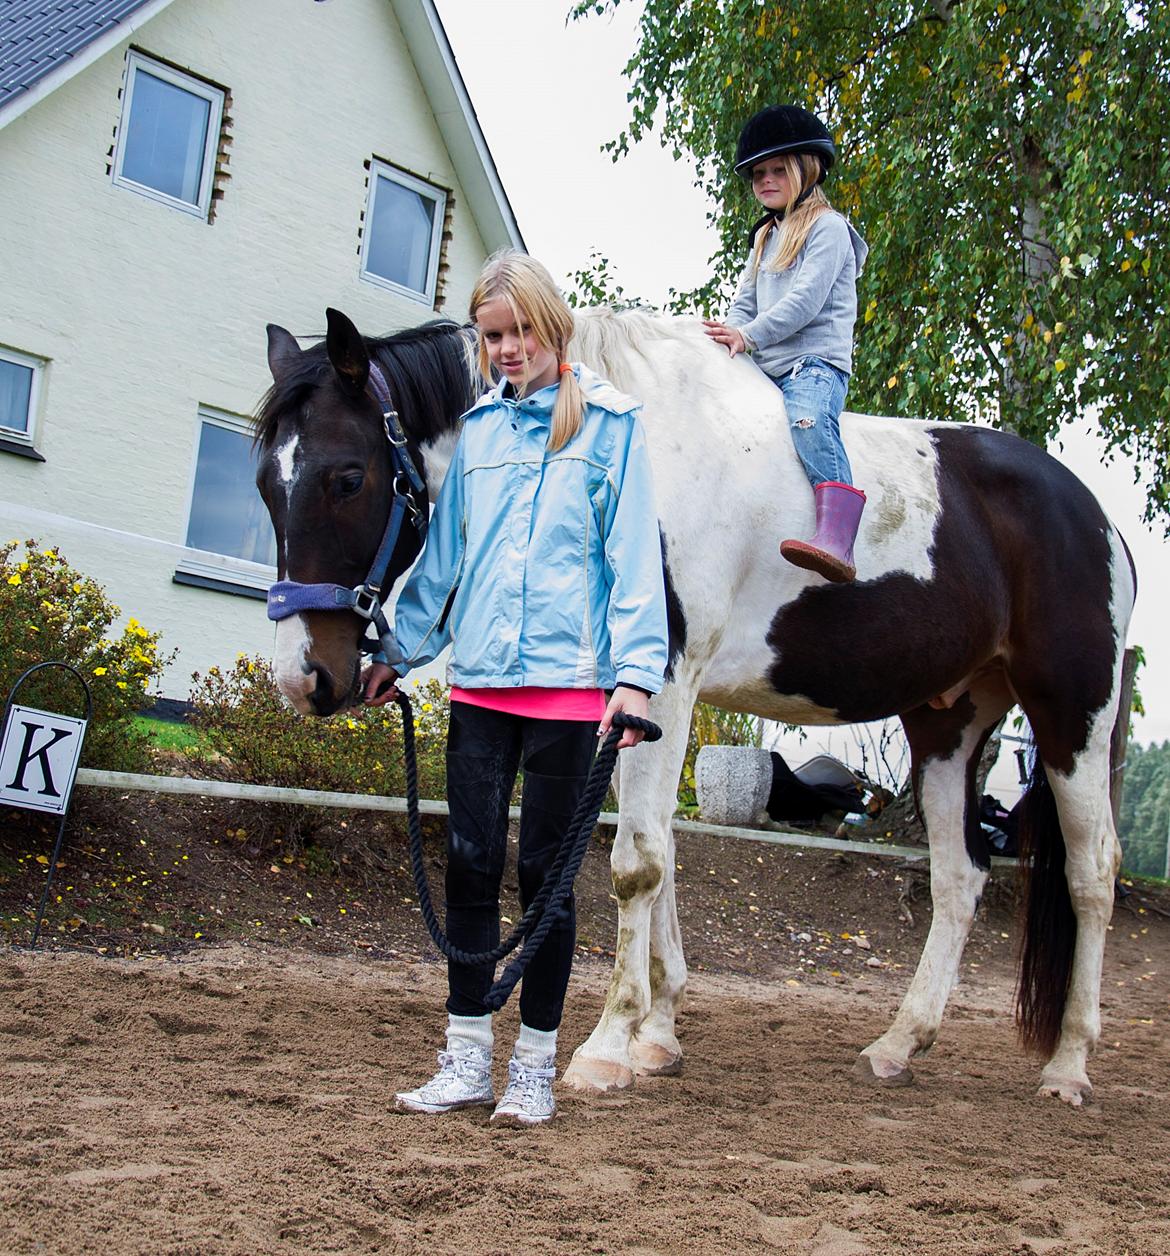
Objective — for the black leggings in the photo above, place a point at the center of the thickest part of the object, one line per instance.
(484, 750)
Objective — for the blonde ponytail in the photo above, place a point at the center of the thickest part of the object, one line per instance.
(568, 411)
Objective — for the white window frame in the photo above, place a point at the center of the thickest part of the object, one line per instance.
(37, 365)
(135, 61)
(383, 170)
(207, 563)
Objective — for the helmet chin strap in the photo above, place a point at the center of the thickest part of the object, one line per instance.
(777, 215)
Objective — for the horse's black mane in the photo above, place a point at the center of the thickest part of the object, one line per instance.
(426, 369)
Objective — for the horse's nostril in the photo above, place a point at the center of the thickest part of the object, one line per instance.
(321, 699)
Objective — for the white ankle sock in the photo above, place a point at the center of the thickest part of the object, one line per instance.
(473, 1030)
(535, 1047)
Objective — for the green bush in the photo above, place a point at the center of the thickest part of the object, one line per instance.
(247, 732)
(49, 611)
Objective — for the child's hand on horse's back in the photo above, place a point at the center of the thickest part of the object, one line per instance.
(730, 337)
(629, 702)
(378, 685)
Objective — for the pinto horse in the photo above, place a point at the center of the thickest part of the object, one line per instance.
(988, 576)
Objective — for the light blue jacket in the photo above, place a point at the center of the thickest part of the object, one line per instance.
(807, 310)
(542, 569)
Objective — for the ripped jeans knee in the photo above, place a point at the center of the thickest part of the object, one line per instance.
(814, 396)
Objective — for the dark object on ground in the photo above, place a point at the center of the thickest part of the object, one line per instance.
(1000, 825)
(170, 710)
(822, 784)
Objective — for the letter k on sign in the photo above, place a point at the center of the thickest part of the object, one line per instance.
(38, 759)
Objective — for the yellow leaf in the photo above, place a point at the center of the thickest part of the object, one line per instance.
(892, 382)
(1059, 365)
(1086, 56)
(728, 83)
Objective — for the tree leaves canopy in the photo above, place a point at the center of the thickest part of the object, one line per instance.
(1005, 161)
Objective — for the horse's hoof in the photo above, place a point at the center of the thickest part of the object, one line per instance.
(651, 1059)
(584, 1073)
(1076, 1092)
(880, 1072)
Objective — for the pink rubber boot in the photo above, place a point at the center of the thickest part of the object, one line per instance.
(830, 552)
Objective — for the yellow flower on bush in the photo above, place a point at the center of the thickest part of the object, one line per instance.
(100, 671)
(14, 578)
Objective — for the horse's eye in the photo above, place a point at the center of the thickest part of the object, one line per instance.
(348, 485)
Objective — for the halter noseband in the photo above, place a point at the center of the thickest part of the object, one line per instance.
(291, 597)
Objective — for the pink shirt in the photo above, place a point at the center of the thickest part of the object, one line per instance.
(537, 703)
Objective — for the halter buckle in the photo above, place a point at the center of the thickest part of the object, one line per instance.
(366, 602)
(391, 423)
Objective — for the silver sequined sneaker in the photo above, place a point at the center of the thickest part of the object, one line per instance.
(463, 1081)
(528, 1100)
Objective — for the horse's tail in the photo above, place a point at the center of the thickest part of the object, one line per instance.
(1049, 923)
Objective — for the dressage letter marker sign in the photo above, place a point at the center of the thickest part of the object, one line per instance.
(38, 759)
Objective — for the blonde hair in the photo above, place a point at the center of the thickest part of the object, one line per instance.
(804, 171)
(530, 293)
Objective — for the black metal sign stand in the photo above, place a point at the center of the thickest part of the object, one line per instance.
(8, 800)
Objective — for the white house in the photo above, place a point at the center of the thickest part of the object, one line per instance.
(175, 174)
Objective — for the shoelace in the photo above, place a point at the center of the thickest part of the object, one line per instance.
(526, 1079)
(465, 1067)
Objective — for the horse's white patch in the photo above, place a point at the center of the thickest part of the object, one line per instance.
(286, 461)
(289, 662)
(437, 458)
(729, 488)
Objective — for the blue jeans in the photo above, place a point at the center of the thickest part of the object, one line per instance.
(814, 396)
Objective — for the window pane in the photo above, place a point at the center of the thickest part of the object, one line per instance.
(401, 225)
(227, 514)
(165, 138)
(15, 390)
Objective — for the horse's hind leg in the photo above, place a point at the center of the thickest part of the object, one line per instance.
(1069, 686)
(1092, 857)
(945, 746)
(645, 988)
(1075, 856)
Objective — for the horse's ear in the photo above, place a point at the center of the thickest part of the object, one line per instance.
(283, 352)
(347, 352)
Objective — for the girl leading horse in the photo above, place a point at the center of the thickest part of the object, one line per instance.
(991, 577)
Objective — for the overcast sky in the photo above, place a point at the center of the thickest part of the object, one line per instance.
(549, 95)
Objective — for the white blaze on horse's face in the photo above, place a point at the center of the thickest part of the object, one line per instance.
(285, 458)
(294, 678)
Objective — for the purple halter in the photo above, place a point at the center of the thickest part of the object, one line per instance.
(291, 597)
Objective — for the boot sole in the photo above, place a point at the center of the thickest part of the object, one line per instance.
(402, 1104)
(823, 564)
(515, 1120)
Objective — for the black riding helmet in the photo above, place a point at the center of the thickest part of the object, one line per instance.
(783, 129)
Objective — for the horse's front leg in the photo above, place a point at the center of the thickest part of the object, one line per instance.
(655, 1050)
(649, 974)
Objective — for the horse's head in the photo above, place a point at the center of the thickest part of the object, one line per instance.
(328, 477)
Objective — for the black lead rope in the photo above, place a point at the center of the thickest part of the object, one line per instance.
(558, 882)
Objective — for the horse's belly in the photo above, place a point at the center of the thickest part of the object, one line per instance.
(757, 697)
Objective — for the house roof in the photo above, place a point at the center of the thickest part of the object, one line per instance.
(44, 43)
(38, 37)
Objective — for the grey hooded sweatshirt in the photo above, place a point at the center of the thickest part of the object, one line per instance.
(808, 309)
